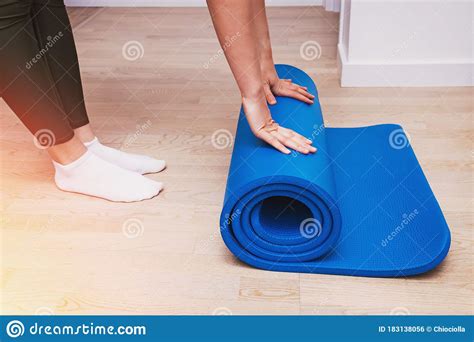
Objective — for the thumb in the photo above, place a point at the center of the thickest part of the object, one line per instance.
(268, 94)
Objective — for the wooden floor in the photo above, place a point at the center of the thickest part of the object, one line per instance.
(68, 254)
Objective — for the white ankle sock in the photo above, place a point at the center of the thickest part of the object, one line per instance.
(133, 162)
(93, 176)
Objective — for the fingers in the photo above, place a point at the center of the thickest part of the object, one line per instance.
(285, 138)
(304, 92)
(299, 90)
(299, 96)
(298, 138)
(305, 88)
(296, 86)
(268, 94)
(291, 142)
(303, 140)
(275, 142)
(286, 88)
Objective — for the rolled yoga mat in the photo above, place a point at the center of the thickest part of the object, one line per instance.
(359, 206)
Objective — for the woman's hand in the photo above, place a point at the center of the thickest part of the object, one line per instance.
(274, 86)
(283, 138)
(263, 126)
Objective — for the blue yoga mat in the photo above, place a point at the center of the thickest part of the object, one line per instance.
(359, 206)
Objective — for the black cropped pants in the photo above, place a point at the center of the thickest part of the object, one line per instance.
(39, 71)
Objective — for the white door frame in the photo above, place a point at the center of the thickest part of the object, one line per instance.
(332, 5)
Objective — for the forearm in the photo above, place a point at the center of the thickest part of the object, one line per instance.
(246, 20)
(234, 18)
(264, 45)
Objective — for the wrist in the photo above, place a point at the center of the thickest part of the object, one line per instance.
(253, 95)
(256, 111)
(269, 74)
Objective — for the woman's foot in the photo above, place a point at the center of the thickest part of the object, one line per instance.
(93, 176)
(133, 162)
(129, 161)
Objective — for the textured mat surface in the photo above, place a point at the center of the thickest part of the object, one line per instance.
(360, 206)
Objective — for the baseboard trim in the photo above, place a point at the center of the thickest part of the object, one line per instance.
(411, 74)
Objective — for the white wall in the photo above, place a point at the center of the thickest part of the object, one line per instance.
(176, 3)
(406, 43)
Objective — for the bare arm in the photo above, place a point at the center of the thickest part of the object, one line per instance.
(273, 85)
(236, 18)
